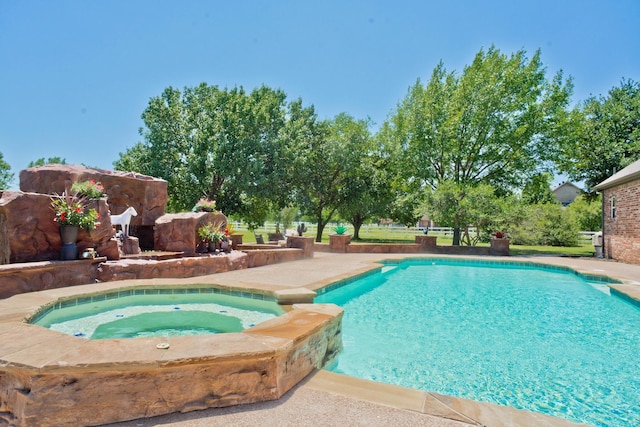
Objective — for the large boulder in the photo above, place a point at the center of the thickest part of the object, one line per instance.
(146, 194)
(28, 232)
(179, 232)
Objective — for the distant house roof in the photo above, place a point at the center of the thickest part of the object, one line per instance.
(568, 186)
(566, 192)
(630, 173)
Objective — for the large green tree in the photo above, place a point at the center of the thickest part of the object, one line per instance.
(5, 174)
(606, 135)
(368, 189)
(221, 144)
(537, 189)
(497, 123)
(326, 164)
(471, 205)
(371, 197)
(545, 224)
(406, 193)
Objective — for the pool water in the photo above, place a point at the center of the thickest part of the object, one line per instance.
(524, 337)
(161, 315)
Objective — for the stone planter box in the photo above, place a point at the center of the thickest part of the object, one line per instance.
(427, 243)
(499, 247)
(301, 242)
(339, 242)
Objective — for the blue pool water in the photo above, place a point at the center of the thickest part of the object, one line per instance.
(525, 337)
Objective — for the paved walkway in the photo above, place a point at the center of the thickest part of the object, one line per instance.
(327, 399)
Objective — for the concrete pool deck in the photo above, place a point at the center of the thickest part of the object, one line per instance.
(328, 399)
(325, 398)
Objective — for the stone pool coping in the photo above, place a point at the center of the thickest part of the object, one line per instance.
(52, 379)
(326, 268)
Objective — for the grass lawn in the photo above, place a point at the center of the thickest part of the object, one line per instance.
(405, 235)
(574, 251)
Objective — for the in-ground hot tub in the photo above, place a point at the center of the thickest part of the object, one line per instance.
(48, 378)
(153, 312)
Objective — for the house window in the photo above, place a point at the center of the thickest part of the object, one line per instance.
(613, 208)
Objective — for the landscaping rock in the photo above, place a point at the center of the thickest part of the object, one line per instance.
(146, 194)
(179, 232)
(28, 231)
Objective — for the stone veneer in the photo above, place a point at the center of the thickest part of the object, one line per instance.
(52, 379)
(37, 276)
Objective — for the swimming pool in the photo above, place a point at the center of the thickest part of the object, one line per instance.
(156, 313)
(518, 335)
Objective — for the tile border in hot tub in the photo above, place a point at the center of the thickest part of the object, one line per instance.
(142, 290)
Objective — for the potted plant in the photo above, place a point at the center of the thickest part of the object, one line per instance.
(204, 232)
(338, 242)
(340, 229)
(277, 236)
(301, 228)
(217, 238)
(213, 234)
(205, 205)
(71, 214)
(88, 189)
(499, 244)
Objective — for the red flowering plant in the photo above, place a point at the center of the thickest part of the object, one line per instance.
(69, 210)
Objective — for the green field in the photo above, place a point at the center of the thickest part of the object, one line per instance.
(405, 235)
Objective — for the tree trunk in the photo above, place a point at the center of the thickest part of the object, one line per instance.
(357, 223)
(356, 231)
(319, 232)
(456, 236)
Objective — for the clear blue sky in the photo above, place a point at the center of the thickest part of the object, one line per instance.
(76, 75)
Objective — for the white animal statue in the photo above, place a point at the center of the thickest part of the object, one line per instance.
(124, 219)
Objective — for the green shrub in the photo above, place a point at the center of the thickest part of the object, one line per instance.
(548, 225)
(587, 212)
(88, 189)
